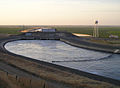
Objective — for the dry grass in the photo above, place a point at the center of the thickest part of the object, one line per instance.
(3, 84)
(4, 36)
(51, 73)
(10, 81)
(108, 42)
(99, 41)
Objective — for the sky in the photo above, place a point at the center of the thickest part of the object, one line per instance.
(59, 12)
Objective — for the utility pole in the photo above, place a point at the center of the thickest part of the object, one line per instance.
(96, 31)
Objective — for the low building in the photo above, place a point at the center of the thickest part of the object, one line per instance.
(45, 30)
(113, 36)
(28, 34)
(38, 30)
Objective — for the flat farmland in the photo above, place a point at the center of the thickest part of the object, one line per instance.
(11, 29)
(104, 31)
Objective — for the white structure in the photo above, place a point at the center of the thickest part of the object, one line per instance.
(45, 30)
(38, 30)
(95, 31)
(116, 51)
(113, 36)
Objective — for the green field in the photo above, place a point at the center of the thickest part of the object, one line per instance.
(104, 31)
(11, 29)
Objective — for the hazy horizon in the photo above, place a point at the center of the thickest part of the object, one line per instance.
(59, 12)
(55, 25)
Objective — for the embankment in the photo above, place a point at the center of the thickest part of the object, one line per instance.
(47, 71)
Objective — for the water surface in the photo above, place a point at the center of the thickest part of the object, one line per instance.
(58, 52)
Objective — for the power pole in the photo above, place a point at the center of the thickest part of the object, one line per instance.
(96, 31)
